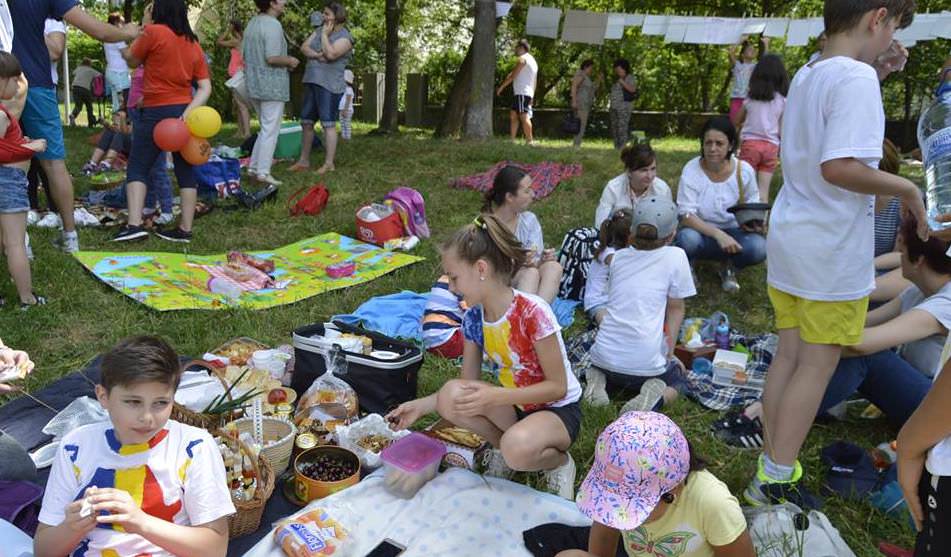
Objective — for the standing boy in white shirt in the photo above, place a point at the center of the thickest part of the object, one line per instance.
(523, 79)
(820, 245)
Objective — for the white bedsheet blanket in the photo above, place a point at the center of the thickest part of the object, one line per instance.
(457, 514)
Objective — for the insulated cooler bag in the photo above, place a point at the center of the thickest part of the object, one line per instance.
(381, 384)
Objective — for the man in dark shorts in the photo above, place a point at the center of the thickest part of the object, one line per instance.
(523, 79)
(40, 118)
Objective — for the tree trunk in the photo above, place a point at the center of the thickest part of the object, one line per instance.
(455, 110)
(389, 123)
(478, 120)
(127, 10)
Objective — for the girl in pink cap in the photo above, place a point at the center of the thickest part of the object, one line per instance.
(649, 491)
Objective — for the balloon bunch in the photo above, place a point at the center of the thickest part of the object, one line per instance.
(189, 137)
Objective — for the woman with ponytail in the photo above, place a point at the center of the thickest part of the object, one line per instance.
(532, 416)
(508, 201)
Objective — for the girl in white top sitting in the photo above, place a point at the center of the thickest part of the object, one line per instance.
(709, 185)
(615, 234)
(508, 201)
(638, 182)
(647, 285)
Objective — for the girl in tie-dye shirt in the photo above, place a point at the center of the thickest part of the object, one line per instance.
(532, 416)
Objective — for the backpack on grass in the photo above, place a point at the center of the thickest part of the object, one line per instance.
(575, 256)
(411, 207)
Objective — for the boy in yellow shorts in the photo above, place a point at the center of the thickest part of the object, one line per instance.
(821, 241)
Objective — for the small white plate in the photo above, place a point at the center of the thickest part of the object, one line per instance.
(43, 457)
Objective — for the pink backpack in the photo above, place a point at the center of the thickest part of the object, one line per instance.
(410, 205)
(98, 86)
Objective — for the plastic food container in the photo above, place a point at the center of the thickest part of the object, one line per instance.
(729, 370)
(410, 462)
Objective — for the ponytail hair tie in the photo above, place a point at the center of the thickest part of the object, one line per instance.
(479, 223)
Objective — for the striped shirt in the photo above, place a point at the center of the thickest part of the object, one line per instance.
(443, 314)
(887, 223)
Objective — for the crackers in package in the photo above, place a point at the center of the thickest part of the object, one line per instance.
(312, 534)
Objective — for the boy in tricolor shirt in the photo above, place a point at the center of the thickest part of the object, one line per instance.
(139, 484)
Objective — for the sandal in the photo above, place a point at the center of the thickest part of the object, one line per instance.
(737, 430)
(297, 167)
(40, 301)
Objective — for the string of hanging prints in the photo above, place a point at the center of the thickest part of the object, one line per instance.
(581, 26)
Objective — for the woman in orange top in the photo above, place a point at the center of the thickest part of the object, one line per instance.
(231, 39)
(173, 59)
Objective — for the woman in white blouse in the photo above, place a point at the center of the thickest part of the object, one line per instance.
(709, 185)
(508, 201)
(639, 181)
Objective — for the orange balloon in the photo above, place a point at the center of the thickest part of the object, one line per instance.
(197, 151)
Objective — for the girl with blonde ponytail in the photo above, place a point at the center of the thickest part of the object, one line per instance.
(532, 416)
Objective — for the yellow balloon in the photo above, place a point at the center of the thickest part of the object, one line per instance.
(203, 122)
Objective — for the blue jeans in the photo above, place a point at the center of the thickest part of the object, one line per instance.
(884, 378)
(702, 247)
(159, 186)
(320, 105)
(145, 152)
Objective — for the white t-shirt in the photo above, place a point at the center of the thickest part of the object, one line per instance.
(821, 237)
(114, 60)
(925, 354)
(529, 232)
(6, 27)
(939, 457)
(742, 71)
(617, 195)
(596, 285)
(525, 80)
(698, 195)
(53, 26)
(179, 475)
(343, 98)
(631, 337)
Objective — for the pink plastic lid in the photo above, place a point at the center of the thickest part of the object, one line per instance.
(413, 452)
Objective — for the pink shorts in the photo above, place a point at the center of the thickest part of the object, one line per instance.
(763, 156)
(736, 103)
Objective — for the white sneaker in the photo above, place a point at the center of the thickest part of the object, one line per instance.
(268, 179)
(50, 220)
(68, 242)
(652, 391)
(32, 217)
(29, 250)
(493, 464)
(561, 480)
(595, 390)
(84, 217)
(164, 218)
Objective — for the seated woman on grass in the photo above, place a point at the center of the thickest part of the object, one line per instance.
(639, 181)
(508, 201)
(916, 322)
(647, 491)
(709, 185)
(115, 140)
(533, 417)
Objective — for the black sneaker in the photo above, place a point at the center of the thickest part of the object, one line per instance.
(175, 235)
(128, 233)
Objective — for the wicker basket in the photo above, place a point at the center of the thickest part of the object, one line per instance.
(278, 453)
(247, 519)
(209, 422)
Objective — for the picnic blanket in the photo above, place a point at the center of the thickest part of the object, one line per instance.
(545, 176)
(701, 388)
(170, 281)
(457, 513)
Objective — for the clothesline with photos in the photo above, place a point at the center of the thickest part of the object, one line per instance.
(581, 26)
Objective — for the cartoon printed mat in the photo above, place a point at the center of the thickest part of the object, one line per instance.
(170, 281)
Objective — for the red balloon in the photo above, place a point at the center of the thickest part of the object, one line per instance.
(171, 134)
(197, 151)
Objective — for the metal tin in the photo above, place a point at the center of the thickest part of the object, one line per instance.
(305, 441)
(284, 410)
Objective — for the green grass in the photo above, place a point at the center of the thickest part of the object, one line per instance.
(85, 317)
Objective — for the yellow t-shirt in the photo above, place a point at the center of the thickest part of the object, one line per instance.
(705, 514)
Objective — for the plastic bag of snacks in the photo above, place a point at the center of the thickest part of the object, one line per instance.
(367, 438)
(313, 534)
(330, 401)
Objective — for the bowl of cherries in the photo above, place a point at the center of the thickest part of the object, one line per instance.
(324, 470)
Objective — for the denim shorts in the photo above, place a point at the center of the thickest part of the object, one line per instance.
(320, 105)
(13, 190)
(145, 151)
(40, 120)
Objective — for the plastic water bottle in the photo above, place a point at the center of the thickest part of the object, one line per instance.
(218, 285)
(934, 137)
